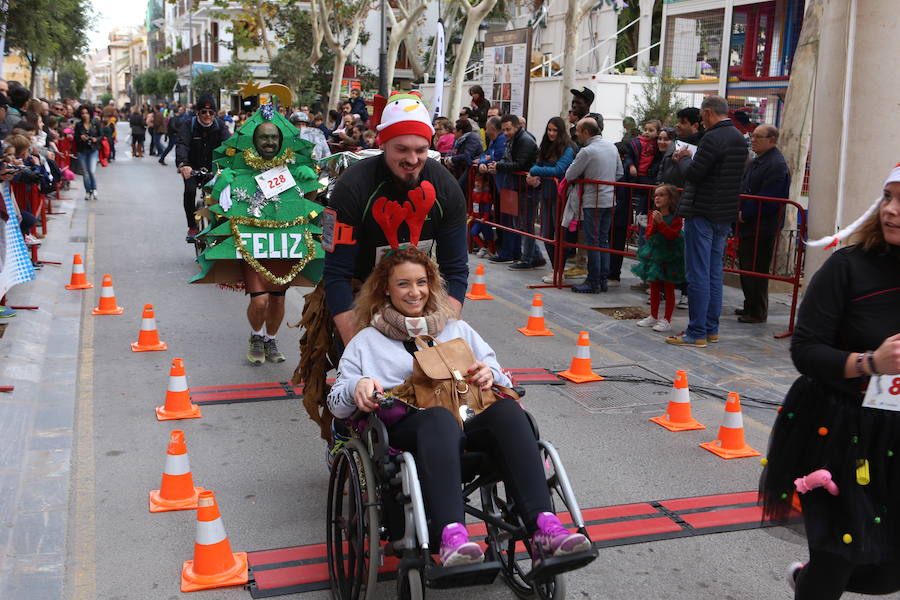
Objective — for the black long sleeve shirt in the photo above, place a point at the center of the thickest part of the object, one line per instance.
(358, 188)
(852, 305)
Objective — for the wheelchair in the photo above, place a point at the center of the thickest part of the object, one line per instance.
(376, 522)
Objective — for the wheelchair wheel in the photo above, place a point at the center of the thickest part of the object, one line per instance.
(516, 565)
(410, 585)
(352, 539)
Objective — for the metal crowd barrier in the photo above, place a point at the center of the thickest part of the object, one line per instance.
(537, 213)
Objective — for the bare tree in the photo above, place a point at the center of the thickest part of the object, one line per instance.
(578, 9)
(317, 32)
(345, 15)
(474, 15)
(409, 12)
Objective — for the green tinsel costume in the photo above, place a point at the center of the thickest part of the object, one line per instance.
(661, 258)
(281, 231)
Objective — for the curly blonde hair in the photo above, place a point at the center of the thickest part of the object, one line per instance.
(373, 294)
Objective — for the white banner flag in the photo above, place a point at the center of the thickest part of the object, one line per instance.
(439, 72)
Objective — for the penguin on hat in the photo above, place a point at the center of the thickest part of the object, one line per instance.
(401, 114)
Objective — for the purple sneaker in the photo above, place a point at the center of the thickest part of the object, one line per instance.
(555, 540)
(456, 549)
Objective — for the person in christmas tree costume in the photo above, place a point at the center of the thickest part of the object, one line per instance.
(261, 238)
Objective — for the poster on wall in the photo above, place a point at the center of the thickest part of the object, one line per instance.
(507, 70)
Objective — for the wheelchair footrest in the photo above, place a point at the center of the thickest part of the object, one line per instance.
(439, 577)
(550, 567)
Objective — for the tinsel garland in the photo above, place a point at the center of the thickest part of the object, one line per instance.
(255, 264)
(255, 161)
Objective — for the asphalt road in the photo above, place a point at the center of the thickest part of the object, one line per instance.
(265, 462)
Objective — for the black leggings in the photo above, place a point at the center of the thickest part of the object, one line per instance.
(502, 431)
(190, 201)
(827, 576)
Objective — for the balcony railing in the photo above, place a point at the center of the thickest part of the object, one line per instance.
(184, 58)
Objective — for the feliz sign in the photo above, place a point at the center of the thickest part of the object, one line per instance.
(272, 245)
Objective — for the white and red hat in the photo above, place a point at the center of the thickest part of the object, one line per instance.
(830, 241)
(402, 114)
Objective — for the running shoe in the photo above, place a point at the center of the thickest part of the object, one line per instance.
(6, 312)
(648, 321)
(662, 325)
(273, 354)
(686, 340)
(682, 302)
(30, 240)
(555, 540)
(456, 549)
(256, 350)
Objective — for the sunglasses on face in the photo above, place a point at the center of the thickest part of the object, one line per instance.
(207, 111)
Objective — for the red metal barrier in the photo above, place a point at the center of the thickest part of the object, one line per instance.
(630, 230)
(526, 209)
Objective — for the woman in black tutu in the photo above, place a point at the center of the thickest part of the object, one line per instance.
(841, 457)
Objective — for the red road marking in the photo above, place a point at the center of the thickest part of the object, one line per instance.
(707, 501)
(626, 522)
(718, 518)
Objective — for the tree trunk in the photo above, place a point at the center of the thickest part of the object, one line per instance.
(264, 32)
(570, 51)
(400, 31)
(340, 59)
(317, 33)
(412, 51)
(645, 26)
(393, 50)
(475, 16)
(33, 68)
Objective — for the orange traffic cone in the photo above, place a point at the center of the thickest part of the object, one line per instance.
(730, 442)
(536, 318)
(78, 280)
(479, 289)
(579, 370)
(678, 414)
(148, 337)
(177, 491)
(107, 303)
(214, 564)
(178, 399)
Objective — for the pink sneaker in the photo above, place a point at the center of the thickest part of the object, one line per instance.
(456, 549)
(555, 540)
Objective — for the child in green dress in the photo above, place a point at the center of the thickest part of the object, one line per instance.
(661, 258)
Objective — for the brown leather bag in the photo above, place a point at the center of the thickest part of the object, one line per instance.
(439, 378)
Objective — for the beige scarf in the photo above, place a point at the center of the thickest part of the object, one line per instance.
(397, 326)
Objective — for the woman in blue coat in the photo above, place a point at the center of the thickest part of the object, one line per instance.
(555, 154)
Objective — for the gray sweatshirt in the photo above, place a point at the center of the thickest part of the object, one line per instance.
(372, 354)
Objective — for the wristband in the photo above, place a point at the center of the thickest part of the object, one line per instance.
(874, 369)
(859, 364)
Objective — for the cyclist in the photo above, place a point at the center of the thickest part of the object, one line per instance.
(201, 133)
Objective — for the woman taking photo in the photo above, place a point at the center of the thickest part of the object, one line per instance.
(87, 145)
(836, 440)
(405, 293)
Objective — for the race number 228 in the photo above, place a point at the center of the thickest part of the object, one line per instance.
(276, 181)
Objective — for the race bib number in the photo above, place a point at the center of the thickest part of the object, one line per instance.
(274, 181)
(273, 245)
(883, 393)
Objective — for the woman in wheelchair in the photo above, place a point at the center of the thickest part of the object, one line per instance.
(404, 297)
